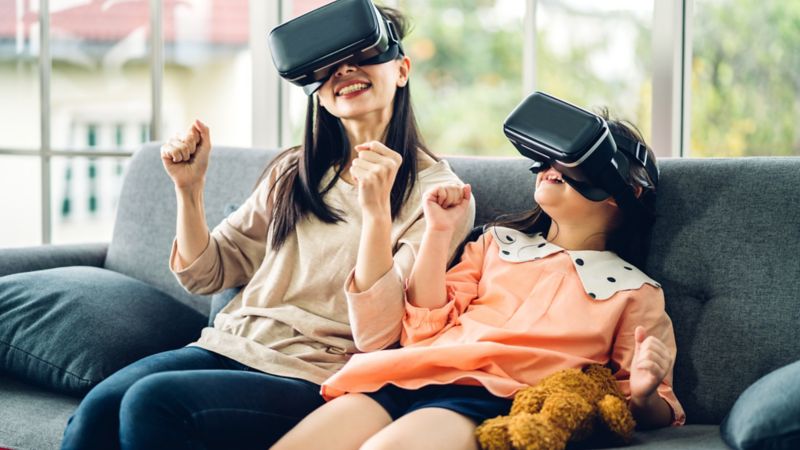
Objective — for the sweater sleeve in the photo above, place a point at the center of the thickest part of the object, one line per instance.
(236, 247)
(462, 283)
(376, 314)
(646, 308)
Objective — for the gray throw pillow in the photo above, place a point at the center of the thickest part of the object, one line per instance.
(71, 327)
(767, 414)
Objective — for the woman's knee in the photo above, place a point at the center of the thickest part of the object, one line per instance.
(148, 398)
(101, 402)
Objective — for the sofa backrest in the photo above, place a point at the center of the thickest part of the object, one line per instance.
(726, 249)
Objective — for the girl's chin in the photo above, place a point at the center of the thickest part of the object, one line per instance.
(546, 199)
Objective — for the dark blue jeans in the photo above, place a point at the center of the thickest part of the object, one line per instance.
(189, 398)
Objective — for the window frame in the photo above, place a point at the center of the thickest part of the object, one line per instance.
(671, 92)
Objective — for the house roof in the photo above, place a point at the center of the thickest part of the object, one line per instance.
(223, 22)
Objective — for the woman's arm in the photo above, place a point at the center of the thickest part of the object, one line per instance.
(229, 255)
(374, 170)
(186, 162)
(191, 230)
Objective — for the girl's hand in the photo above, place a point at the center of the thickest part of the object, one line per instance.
(651, 363)
(445, 206)
(374, 170)
(186, 158)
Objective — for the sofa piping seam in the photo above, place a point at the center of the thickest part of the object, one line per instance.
(14, 347)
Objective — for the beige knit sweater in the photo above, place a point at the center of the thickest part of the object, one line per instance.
(294, 317)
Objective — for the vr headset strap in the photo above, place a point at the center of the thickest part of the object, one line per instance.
(624, 195)
(638, 151)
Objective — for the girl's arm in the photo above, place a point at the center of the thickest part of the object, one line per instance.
(652, 362)
(445, 207)
(644, 350)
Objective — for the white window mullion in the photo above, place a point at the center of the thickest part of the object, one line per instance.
(671, 69)
(267, 99)
(156, 69)
(45, 68)
(529, 48)
(283, 107)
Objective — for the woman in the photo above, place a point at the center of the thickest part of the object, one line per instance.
(320, 209)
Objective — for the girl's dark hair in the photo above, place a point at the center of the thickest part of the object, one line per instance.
(630, 239)
(298, 190)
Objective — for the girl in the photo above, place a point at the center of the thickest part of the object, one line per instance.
(531, 296)
(321, 209)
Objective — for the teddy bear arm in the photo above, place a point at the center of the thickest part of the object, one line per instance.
(616, 415)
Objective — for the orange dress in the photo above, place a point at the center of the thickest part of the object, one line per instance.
(519, 308)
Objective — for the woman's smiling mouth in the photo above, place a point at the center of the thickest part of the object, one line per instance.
(352, 89)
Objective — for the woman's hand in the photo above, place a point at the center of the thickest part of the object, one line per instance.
(446, 206)
(651, 363)
(374, 170)
(186, 158)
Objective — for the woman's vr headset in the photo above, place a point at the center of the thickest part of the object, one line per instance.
(580, 145)
(307, 48)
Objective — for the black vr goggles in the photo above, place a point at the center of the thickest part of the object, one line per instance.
(592, 158)
(307, 48)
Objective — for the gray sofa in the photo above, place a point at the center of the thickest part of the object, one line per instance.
(726, 248)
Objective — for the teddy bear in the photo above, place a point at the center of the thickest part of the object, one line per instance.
(567, 406)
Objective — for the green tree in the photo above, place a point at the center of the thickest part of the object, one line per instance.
(468, 73)
(746, 78)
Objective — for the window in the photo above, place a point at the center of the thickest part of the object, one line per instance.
(745, 87)
(85, 190)
(467, 72)
(20, 200)
(66, 131)
(84, 193)
(208, 67)
(597, 54)
(19, 76)
(100, 67)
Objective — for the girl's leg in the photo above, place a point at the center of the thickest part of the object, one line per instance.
(213, 409)
(95, 424)
(343, 423)
(426, 428)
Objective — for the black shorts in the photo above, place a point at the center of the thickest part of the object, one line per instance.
(475, 402)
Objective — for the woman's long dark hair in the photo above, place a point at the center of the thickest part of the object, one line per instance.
(628, 240)
(297, 191)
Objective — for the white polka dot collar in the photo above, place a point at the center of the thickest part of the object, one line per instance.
(602, 273)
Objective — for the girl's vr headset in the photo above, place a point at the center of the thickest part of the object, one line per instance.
(580, 145)
(306, 48)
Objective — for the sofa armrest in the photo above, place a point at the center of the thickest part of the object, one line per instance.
(27, 259)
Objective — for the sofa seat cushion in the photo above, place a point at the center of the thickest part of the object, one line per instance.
(767, 414)
(69, 328)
